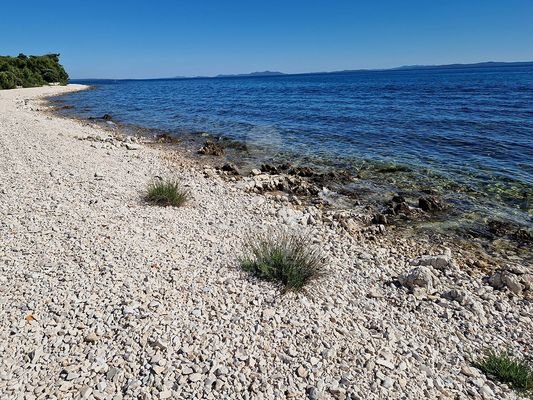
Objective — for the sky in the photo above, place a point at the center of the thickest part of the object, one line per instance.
(151, 39)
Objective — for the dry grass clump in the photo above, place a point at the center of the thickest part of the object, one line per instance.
(282, 257)
(166, 193)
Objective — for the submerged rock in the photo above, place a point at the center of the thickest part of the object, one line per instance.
(430, 204)
(211, 149)
(105, 117)
(229, 168)
(164, 138)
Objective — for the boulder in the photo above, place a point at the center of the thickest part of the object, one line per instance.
(380, 219)
(515, 282)
(512, 282)
(430, 204)
(440, 262)
(419, 277)
(211, 149)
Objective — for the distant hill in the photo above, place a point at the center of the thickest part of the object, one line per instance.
(264, 73)
(488, 64)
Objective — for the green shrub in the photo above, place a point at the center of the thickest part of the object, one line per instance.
(166, 193)
(282, 257)
(29, 71)
(507, 369)
(7, 80)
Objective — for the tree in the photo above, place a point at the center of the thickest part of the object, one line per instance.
(29, 71)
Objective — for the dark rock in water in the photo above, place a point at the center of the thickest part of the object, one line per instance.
(211, 149)
(398, 205)
(522, 235)
(402, 208)
(164, 138)
(230, 168)
(285, 166)
(276, 170)
(398, 199)
(430, 203)
(105, 117)
(269, 169)
(500, 228)
(512, 230)
(380, 219)
(306, 172)
(393, 168)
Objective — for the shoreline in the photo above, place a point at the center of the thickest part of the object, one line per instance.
(103, 294)
(495, 240)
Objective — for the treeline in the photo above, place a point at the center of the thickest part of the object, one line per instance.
(30, 71)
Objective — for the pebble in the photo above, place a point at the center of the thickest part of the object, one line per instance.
(301, 372)
(195, 377)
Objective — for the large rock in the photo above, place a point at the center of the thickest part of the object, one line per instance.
(430, 204)
(419, 277)
(211, 149)
(514, 281)
(229, 169)
(441, 261)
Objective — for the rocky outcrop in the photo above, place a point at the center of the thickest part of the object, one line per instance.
(516, 280)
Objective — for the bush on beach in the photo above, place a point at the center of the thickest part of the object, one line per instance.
(282, 257)
(166, 193)
(507, 369)
(30, 71)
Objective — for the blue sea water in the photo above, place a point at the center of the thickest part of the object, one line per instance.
(472, 127)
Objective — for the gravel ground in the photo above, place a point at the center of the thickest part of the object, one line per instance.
(105, 297)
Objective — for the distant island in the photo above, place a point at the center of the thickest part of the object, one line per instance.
(488, 64)
(480, 65)
(31, 71)
(264, 73)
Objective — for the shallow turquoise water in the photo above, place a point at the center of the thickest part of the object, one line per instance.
(467, 132)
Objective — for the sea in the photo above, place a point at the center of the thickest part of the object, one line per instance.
(464, 133)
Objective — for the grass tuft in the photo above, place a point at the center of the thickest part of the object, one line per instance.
(507, 369)
(282, 257)
(166, 193)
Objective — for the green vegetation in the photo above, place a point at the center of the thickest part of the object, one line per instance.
(282, 257)
(30, 71)
(166, 193)
(507, 369)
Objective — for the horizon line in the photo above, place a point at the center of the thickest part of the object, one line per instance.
(272, 73)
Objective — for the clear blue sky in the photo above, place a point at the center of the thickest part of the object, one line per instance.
(137, 39)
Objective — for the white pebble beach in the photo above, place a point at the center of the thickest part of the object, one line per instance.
(104, 296)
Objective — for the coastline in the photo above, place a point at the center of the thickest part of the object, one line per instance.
(86, 258)
(488, 232)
